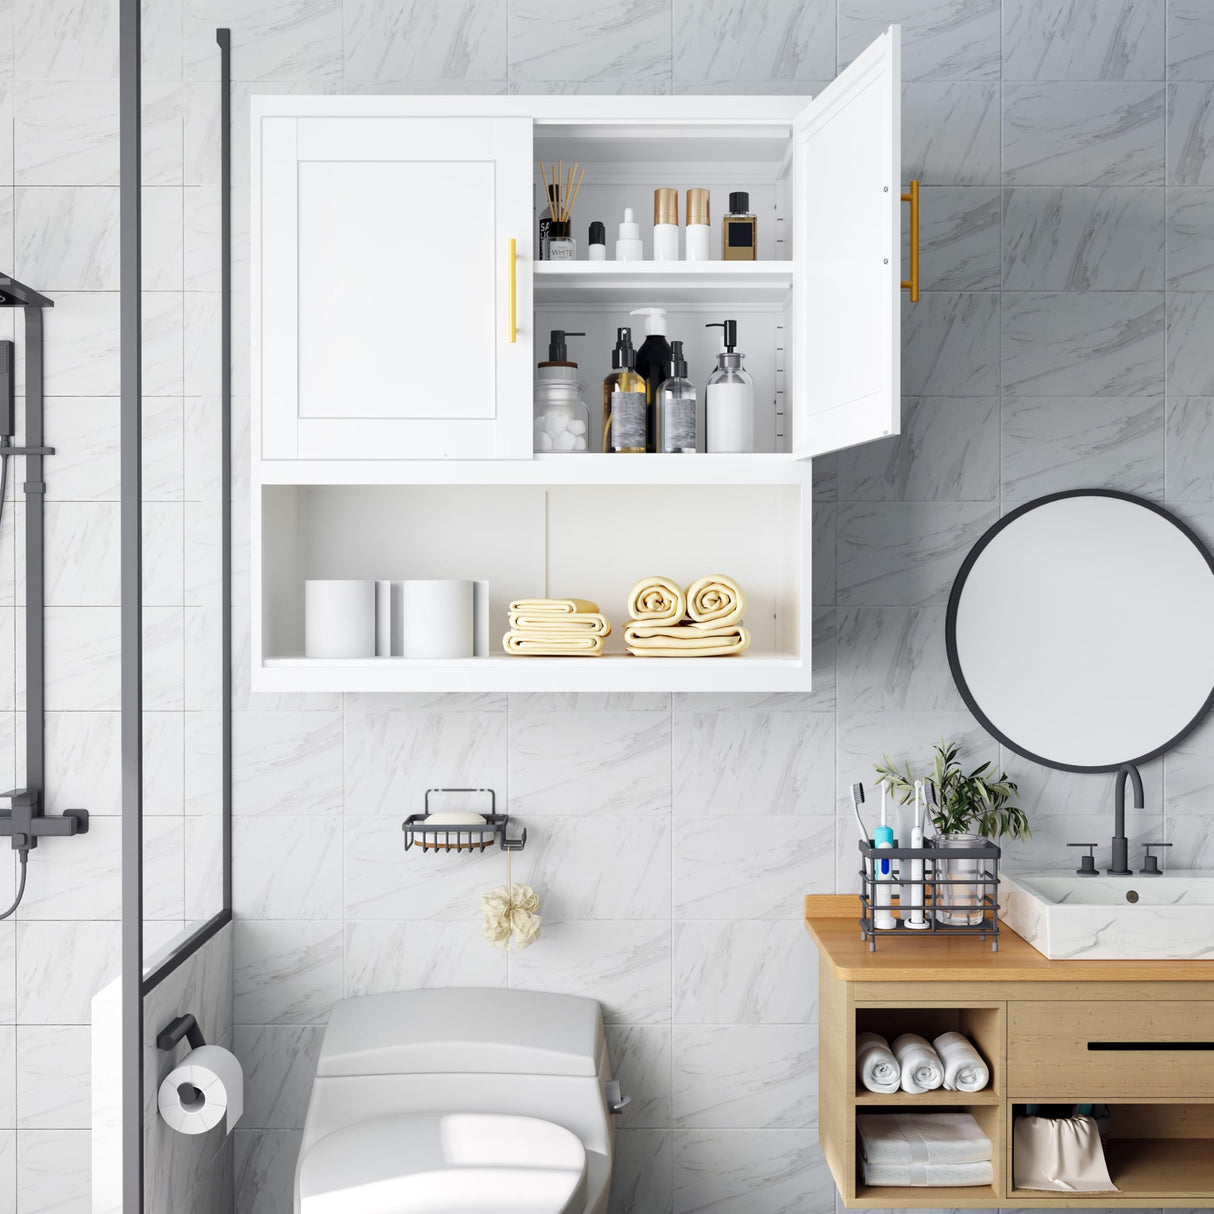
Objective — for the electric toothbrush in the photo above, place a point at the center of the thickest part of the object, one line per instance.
(916, 918)
(883, 838)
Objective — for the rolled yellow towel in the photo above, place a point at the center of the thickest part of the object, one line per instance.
(554, 607)
(716, 602)
(560, 625)
(644, 640)
(657, 600)
(552, 645)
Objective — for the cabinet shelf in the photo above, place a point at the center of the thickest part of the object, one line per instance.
(611, 672)
(737, 283)
(905, 1100)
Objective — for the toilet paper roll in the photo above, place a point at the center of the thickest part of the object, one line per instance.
(437, 618)
(480, 619)
(206, 1089)
(339, 619)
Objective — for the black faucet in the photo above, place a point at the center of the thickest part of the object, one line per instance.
(1121, 846)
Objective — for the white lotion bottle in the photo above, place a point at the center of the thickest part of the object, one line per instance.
(628, 245)
(665, 225)
(698, 236)
(729, 400)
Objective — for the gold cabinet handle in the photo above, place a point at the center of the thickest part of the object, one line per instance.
(912, 284)
(513, 293)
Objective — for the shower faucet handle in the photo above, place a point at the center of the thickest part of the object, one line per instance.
(1150, 864)
(1087, 864)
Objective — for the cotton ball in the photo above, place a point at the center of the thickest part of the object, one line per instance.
(538, 425)
(543, 443)
(564, 442)
(577, 426)
(556, 421)
(579, 444)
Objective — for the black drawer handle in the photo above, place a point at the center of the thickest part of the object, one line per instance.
(1151, 1045)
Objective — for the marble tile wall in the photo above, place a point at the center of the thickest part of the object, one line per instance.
(1061, 340)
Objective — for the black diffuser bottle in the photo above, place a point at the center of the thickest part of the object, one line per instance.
(653, 365)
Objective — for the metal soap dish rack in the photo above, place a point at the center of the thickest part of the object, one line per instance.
(451, 836)
(954, 903)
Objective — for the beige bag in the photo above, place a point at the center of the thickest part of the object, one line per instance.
(1063, 1154)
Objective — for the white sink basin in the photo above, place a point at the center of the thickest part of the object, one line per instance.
(1069, 917)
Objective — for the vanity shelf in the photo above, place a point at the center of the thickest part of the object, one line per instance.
(1028, 1016)
(698, 283)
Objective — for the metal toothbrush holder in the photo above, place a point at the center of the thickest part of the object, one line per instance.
(957, 893)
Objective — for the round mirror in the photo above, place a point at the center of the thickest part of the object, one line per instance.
(1080, 630)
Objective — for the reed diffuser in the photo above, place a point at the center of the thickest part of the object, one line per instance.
(557, 243)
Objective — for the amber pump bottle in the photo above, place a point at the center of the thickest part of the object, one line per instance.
(625, 400)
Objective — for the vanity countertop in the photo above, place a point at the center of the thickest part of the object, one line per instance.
(833, 922)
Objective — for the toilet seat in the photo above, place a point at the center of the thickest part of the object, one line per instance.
(445, 1163)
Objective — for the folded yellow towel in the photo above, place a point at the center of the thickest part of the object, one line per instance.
(551, 624)
(554, 606)
(657, 600)
(552, 645)
(645, 640)
(716, 602)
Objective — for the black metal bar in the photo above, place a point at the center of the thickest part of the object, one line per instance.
(131, 524)
(183, 1026)
(224, 38)
(186, 949)
(35, 558)
(17, 293)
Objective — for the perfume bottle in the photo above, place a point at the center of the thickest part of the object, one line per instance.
(665, 225)
(561, 245)
(739, 233)
(697, 225)
(676, 407)
(625, 400)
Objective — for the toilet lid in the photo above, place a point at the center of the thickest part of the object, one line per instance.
(445, 1163)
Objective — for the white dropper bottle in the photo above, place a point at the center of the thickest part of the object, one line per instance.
(628, 245)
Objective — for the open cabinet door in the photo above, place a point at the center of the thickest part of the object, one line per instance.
(846, 190)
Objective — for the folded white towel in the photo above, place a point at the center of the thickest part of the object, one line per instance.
(943, 1175)
(964, 1070)
(906, 1138)
(922, 1070)
(876, 1066)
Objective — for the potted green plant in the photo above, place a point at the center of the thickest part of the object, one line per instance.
(968, 807)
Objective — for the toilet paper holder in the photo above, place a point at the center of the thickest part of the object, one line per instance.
(183, 1026)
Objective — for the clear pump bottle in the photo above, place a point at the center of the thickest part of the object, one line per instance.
(729, 399)
(625, 400)
(676, 407)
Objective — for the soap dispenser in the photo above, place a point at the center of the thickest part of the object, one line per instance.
(653, 362)
(729, 399)
(562, 419)
(625, 400)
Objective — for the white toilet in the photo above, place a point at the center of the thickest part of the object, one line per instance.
(460, 1101)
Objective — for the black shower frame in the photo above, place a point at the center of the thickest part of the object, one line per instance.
(135, 984)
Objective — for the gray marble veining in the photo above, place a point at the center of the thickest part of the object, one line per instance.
(641, 1061)
(1052, 443)
(279, 1063)
(1189, 449)
(642, 1176)
(1073, 133)
(1190, 239)
(1190, 330)
(941, 39)
(1083, 39)
(728, 1171)
(948, 450)
(950, 132)
(423, 40)
(950, 344)
(1094, 343)
(1081, 238)
(1190, 47)
(718, 40)
(1190, 138)
(958, 238)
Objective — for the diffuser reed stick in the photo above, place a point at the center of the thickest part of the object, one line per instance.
(564, 185)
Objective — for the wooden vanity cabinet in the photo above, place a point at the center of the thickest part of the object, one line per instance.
(1135, 1035)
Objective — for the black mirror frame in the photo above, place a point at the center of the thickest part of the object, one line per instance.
(954, 600)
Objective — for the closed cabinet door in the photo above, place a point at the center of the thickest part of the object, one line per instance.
(846, 250)
(394, 260)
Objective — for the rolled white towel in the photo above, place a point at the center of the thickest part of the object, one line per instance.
(937, 1138)
(922, 1070)
(942, 1175)
(876, 1066)
(964, 1070)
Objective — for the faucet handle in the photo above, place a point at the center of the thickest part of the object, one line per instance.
(1087, 864)
(1150, 864)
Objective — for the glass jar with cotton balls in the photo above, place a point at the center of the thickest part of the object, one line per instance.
(561, 416)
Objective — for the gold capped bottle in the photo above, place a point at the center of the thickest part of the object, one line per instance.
(625, 400)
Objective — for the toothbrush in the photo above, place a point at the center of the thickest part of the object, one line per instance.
(857, 799)
(916, 918)
(883, 838)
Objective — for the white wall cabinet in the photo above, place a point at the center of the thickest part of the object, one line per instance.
(399, 311)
